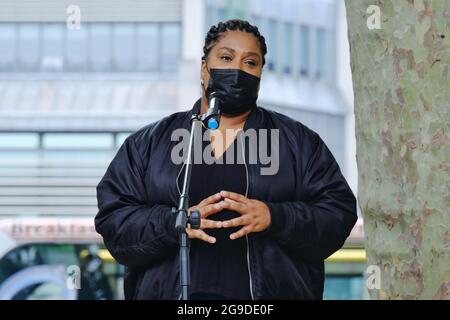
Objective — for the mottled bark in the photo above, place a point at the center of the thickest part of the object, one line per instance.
(402, 97)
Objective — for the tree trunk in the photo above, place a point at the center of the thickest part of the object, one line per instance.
(401, 81)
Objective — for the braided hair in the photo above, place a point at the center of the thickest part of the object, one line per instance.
(216, 32)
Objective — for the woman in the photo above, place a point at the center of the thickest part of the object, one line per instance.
(262, 236)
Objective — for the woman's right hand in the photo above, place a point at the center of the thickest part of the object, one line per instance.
(207, 207)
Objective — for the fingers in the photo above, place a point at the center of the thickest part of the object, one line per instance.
(210, 209)
(211, 205)
(232, 205)
(200, 234)
(240, 221)
(210, 224)
(241, 233)
(211, 199)
(233, 196)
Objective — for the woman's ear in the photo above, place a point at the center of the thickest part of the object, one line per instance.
(203, 71)
(204, 74)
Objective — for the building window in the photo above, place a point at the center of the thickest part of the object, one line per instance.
(123, 47)
(28, 47)
(288, 48)
(77, 49)
(100, 47)
(170, 47)
(147, 52)
(272, 45)
(7, 52)
(304, 51)
(52, 40)
(9, 140)
(77, 140)
(320, 53)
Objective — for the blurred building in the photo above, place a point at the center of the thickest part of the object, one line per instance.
(69, 97)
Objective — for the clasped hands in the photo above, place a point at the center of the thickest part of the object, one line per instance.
(255, 215)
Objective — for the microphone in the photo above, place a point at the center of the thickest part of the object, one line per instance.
(212, 117)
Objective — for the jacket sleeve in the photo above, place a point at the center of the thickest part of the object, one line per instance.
(317, 225)
(135, 233)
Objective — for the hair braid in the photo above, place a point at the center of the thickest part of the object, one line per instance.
(216, 31)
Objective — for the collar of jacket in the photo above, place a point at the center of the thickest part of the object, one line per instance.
(253, 121)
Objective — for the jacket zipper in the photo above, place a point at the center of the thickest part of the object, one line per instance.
(246, 236)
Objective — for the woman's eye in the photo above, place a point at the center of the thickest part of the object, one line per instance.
(251, 63)
(226, 58)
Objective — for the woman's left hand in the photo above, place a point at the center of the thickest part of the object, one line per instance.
(255, 214)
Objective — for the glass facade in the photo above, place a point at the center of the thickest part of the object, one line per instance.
(95, 47)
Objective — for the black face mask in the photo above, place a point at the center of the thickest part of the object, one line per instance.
(238, 90)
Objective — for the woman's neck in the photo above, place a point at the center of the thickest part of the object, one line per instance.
(227, 122)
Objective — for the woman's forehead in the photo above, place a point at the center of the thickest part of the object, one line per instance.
(238, 41)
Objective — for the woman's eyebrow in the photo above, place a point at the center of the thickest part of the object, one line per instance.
(252, 53)
(228, 49)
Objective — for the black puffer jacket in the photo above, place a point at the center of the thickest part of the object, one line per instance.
(312, 208)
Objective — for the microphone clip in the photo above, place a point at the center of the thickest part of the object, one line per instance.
(212, 117)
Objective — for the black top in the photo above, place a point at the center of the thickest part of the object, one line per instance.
(220, 268)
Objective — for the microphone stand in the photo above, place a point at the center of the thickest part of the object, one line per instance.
(183, 218)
